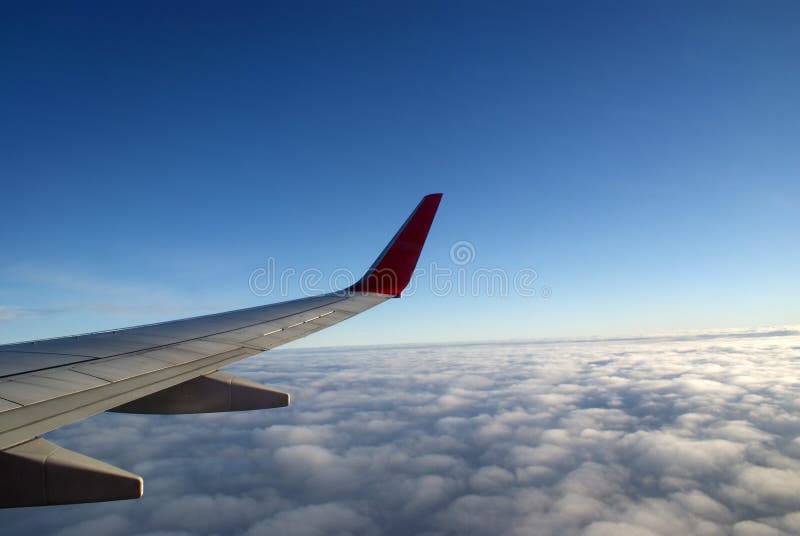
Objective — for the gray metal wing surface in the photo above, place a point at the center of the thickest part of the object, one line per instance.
(169, 367)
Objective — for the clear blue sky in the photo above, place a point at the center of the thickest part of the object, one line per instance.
(642, 157)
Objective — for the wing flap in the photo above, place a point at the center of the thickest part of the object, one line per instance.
(115, 369)
(25, 393)
(12, 363)
(6, 405)
(33, 388)
(61, 378)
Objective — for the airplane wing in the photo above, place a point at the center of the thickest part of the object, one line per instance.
(168, 368)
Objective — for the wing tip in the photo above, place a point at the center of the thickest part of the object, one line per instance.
(392, 270)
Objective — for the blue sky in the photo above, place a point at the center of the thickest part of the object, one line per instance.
(641, 158)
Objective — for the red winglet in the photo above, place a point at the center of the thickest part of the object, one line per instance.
(393, 269)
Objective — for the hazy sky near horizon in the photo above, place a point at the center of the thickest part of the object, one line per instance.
(641, 158)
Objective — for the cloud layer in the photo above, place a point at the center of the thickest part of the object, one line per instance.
(676, 435)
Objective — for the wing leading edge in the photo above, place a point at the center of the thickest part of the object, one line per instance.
(169, 367)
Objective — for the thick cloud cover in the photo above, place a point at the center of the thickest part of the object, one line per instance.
(672, 435)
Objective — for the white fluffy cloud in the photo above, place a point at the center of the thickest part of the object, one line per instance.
(672, 435)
